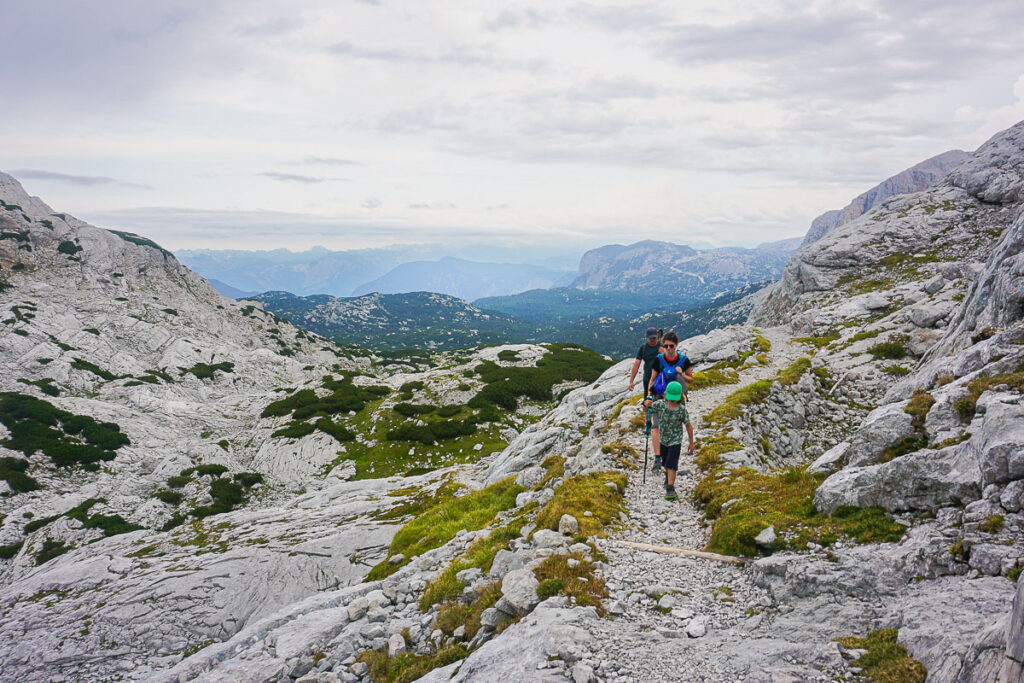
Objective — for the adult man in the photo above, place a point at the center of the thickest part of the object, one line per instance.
(648, 353)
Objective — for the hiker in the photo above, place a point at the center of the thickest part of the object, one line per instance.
(670, 366)
(668, 415)
(648, 353)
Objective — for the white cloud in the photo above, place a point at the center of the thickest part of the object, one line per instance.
(734, 123)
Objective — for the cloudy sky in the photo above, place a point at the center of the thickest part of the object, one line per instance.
(262, 123)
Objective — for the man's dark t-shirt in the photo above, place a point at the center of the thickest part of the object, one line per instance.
(648, 354)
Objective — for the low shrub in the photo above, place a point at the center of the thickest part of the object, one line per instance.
(889, 350)
(10, 550)
(248, 479)
(992, 524)
(168, 496)
(68, 247)
(407, 666)
(207, 371)
(12, 470)
(50, 550)
(178, 481)
(211, 469)
(896, 370)
(413, 409)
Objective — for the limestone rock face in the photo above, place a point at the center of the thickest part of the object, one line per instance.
(914, 179)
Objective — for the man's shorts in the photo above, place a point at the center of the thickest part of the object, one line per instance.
(670, 456)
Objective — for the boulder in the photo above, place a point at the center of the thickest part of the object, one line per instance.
(545, 538)
(882, 427)
(396, 645)
(925, 480)
(927, 314)
(831, 460)
(519, 592)
(697, 627)
(1013, 663)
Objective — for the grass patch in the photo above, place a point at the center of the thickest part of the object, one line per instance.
(752, 394)
(886, 661)
(586, 492)
(451, 615)
(578, 583)
(966, 406)
(712, 448)
(784, 500)
(917, 407)
(408, 667)
(894, 349)
(713, 377)
(439, 524)
(819, 341)
(992, 525)
(479, 554)
(896, 370)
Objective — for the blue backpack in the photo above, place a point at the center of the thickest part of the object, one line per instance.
(669, 373)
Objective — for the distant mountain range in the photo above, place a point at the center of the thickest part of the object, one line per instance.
(465, 279)
(498, 270)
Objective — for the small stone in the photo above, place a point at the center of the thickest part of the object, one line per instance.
(396, 559)
(360, 669)
(396, 645)
(588, 513)
(545, 538)
(697, 627)
(460, 632)
(491, 618)
(568, 525)
(572, 563)
(582, 673)
(766, 539)
(357, 609)
(667, 601)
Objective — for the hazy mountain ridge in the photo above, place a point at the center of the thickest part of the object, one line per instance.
(464, 279)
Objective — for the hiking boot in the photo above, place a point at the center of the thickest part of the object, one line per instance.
(657, 463)
(670, 492)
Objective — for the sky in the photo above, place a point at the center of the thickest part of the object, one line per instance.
(261, 124)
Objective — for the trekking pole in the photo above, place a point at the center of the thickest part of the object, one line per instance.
(647, 441)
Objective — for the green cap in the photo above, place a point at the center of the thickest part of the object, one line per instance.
(674, 391)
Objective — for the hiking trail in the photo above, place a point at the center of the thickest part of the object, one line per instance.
(671, 614)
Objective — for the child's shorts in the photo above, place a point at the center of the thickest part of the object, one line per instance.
(670, 456)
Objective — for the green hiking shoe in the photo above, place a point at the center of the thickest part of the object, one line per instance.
(657, 463)
(670, 492)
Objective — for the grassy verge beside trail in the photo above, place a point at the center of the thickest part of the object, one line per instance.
(755, 393)
(439, 524)
(580, 494)
(743, 502)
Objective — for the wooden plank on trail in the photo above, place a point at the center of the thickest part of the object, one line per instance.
(669, 550)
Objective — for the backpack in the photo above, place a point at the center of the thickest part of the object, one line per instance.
(667, 373)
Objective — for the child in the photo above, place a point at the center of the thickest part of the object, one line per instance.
(668, 415)
(670, 366)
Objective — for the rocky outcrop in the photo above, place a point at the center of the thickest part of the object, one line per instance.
(914, 179)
